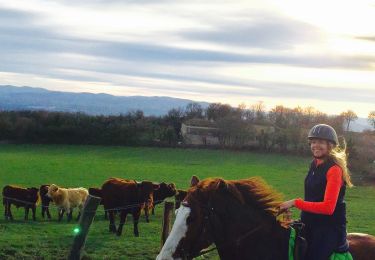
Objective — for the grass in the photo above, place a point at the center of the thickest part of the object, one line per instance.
(74, 166)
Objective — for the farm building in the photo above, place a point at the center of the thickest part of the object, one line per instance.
(200, 132)
(204, 132)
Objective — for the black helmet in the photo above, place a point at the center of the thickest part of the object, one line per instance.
(323, 131)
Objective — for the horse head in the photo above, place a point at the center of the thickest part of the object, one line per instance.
(211, 208)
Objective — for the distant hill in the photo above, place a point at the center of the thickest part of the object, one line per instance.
(28, 98)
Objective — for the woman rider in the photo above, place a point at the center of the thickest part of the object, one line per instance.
(323, 208)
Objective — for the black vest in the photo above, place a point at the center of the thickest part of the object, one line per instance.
(315, 186)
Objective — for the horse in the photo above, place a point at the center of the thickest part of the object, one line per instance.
(240, 218)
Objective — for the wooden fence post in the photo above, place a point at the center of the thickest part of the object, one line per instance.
(85, 221)
(166, 224)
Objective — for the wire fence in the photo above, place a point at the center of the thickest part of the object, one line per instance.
(130, 206)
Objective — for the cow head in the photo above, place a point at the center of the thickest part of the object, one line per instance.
(43, 190)
(53, 188)
(167, 190)
(146, 189)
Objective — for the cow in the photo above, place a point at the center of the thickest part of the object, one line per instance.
(165, 191)
(126, 196)
(45, 200)
(97, 192)
(27, 198)
(67, 199)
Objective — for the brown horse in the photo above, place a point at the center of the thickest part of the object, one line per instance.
(239, 217)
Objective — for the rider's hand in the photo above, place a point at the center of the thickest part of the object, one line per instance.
(286, 205)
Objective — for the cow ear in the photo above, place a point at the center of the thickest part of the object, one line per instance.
(155, 186)
(194, 181)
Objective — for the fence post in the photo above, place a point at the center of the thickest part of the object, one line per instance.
(166, 224)
(85, 221)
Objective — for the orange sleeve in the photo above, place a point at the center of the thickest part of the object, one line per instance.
(328, 205)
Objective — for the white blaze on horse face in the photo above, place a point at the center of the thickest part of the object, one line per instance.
(178, 232)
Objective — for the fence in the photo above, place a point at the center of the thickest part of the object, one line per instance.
(83, 227)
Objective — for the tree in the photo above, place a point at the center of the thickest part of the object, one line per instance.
(371, 118)
(193, 110)
(349, 116)
(175, 117)
(259, 110)
(215, 111)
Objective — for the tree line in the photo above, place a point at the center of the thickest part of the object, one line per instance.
(238, 128)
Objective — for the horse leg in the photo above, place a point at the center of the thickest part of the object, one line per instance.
(153, 210)
(112, 225)
(106, 215)
(122, 222)
(136, 214)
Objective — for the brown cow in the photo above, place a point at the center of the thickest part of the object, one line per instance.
(126, 196)
(20, 197)
(97, 192)
(45, 200)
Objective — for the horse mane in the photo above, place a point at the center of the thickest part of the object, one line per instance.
(253, 192)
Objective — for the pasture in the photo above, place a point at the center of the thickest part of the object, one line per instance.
(90, 166)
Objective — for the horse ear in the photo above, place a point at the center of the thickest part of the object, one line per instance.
(194, 181)
(231, 188)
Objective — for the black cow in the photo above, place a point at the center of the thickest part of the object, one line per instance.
(45, 200)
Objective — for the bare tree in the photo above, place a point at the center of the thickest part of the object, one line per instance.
(193, 110)
(259, 109)
(349, 116)
(215, 111)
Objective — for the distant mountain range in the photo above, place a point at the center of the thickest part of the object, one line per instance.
(30, 98)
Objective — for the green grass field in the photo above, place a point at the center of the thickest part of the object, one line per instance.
(74, 166)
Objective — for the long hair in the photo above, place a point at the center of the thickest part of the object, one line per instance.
(339, 155)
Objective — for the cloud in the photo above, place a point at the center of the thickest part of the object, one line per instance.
(367, 38)
(259, 30)
(185, 58)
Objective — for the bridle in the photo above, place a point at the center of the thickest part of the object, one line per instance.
(209, 223)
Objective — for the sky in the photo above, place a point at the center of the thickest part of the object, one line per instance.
(291, 52)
